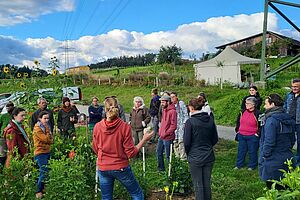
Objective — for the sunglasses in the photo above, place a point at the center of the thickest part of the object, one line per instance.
(107, 97)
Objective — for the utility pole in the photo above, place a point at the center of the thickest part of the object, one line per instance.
(263, 49)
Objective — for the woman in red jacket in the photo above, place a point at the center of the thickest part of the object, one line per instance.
(16, 136)
(113, 144)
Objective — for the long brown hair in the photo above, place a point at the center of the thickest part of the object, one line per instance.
(111, 108)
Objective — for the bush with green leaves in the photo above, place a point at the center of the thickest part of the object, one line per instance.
(67, 180)
(19, 180)
(290, 181)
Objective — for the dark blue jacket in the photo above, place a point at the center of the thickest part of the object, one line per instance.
(276, 143)
(154, 106)
(287, 105)
(200, 135)
(95, 114)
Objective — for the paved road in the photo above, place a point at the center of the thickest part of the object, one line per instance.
(224, 132)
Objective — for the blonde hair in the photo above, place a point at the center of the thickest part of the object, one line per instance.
(111, 108)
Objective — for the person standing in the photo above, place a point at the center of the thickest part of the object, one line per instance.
(292, 107)
(253, 92)
(42, 103)
(4, 121)
(113, 144)
(248, 130)
(276, 141)
(15, 135)
(167, 129)
(200, 135)
(66, 119)
(206, 107)
(182, 116)
(153, 110)
(95, 113)
(139, 119)
(120, 107)
(42, 140)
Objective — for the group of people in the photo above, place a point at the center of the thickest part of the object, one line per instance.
(17, 142)
(273, 132)
(189, 130)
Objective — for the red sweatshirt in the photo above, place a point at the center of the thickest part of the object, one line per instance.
(168, 123)
(113, 144)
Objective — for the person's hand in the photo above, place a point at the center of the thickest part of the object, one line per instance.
(148, 135)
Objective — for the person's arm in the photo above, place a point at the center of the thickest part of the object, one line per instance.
(95, 139)
(237, 123)
(11, 143)
(173, 123)
(128, 144)
(185, 112)
(285, 103)
(215, 137)
(270, 138)
(187, 136)
(147, 117)
(59, 120)
(33, 120)
(51, 119)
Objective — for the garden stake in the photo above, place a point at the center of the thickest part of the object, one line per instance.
(96, 178)
(171, 151)
(144, 164)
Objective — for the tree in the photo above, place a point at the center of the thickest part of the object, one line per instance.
(169, 54)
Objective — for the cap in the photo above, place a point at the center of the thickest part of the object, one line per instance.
(165, 98)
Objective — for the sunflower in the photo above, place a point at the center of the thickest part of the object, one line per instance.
(54, 72)
(25, 74)
(36, 62)
(6, 70)
(22, 85)
(19, 75)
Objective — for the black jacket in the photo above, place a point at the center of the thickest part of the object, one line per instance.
(63, 120)
(35, 116)
(200, 135)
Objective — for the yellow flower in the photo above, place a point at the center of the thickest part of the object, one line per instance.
(166, 188)
(36, 62)
(19, 75)
(22, 85)
(25, 74)
(6, 70)
(54, 72)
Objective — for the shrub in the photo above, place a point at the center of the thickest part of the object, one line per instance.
(290, 181)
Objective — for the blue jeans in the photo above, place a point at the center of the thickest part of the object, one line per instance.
(155, 123)
(42, 161)
(161, 146)
(126, 178)
(247, 144)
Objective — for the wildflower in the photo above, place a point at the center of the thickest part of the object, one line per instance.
(36, 62)
(25, 74)
(22, 85)
(166, 188)
(54, 72)
(6, 70)
(19, 75)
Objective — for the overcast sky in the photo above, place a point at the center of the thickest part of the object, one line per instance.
(100, 29)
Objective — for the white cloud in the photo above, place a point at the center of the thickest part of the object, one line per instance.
(19, 11)
(194, 38)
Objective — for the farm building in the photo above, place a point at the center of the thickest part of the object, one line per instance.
(284, 50)
(78, 70)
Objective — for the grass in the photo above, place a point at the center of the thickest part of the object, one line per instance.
(227, 183)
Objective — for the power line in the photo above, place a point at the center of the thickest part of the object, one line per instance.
(77, 15)
(120, 11)
(90, 18)
(111, 14)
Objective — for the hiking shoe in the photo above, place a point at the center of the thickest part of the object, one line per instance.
(250, 169)
(236, 168)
